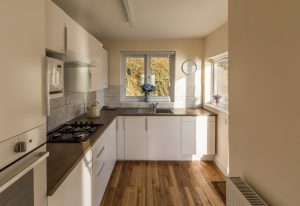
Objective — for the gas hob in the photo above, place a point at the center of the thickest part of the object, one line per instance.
(73, 133)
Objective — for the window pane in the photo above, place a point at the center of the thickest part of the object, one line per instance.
(160, 75)
(221, 80)
(135, 69)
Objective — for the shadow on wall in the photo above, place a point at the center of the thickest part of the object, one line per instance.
(188, 90)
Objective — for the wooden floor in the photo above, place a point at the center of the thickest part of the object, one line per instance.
(163, 183)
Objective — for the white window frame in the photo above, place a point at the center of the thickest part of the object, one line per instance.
(147, 56)
(213, 60)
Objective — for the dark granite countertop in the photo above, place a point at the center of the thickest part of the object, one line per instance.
(175, 112)
(65, 156)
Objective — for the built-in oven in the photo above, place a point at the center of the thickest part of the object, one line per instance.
(23, 169)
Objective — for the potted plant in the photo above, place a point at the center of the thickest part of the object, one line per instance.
(216, 98)
(147, 89)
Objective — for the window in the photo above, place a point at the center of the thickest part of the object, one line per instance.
(220, 80)
(147, 67)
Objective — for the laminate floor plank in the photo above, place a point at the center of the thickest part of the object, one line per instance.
(163, 183)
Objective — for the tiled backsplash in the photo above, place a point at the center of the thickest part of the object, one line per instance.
(65, 108)
(74, 104)
(185, 97)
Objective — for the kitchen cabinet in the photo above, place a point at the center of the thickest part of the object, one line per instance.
(120, 138)
(135, 138)
(87, 182)
(95, 47)
(22, 54)
(180, 137)
(105, 68)
(99, 70)
(198, 135)
(55, 27)
(104, 158)
(76, 190)
(63, 34)
(77, 38)
(164, 138)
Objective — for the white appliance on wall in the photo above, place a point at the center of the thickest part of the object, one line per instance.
(23, 177)
(55, 77)
(54, 80)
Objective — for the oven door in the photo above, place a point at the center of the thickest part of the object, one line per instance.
(24, 183)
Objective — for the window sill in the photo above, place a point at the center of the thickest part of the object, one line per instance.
(215, 108)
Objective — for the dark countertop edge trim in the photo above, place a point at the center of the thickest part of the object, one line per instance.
(169, 115)
(209, 113)
(53, 190)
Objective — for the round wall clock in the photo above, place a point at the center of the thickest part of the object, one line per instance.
(189, 67)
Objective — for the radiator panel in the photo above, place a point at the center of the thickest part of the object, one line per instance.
(239, 193)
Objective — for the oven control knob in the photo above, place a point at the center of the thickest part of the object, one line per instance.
(20, 147)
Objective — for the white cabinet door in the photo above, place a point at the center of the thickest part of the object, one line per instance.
(120, 138)
(99, 71)
(164, 138)
(95, 47)
(76, 190)
(104, 82)
(189, 137)
(22, 54)
(198, 135)
(135, 138)
(55, 27)
(95, 79)
(206, 133)
(112, 145)
(77, 38)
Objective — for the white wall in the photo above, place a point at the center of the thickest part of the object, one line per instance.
(214, 44)
(264, 48)
(187, 88)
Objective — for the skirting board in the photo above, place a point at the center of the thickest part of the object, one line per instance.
(207, 157)
(221, 166)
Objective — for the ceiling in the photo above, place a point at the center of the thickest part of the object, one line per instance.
(154, 19)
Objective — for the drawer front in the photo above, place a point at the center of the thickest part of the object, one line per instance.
(100, 181)
(99, 156)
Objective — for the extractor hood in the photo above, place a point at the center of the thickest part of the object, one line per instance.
(74, 60)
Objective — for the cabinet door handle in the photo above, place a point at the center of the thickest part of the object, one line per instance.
(100, 152)
(123, 123)
(66, 38)
(117, 124)
(146, 123)
(47, 90)
(100, 170)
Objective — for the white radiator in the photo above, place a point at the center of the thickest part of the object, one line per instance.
(239, 193)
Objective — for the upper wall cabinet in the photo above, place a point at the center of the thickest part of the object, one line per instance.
(55, 28)
(63, 34)
(99, 71)
(95, 47)
(105, 68)
(77, 38)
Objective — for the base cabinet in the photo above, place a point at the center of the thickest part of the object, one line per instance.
(86, 184)
(76, 190)
(104, 159)
(135, 136)
(165, 137)
(120, 138)
(198, 135)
